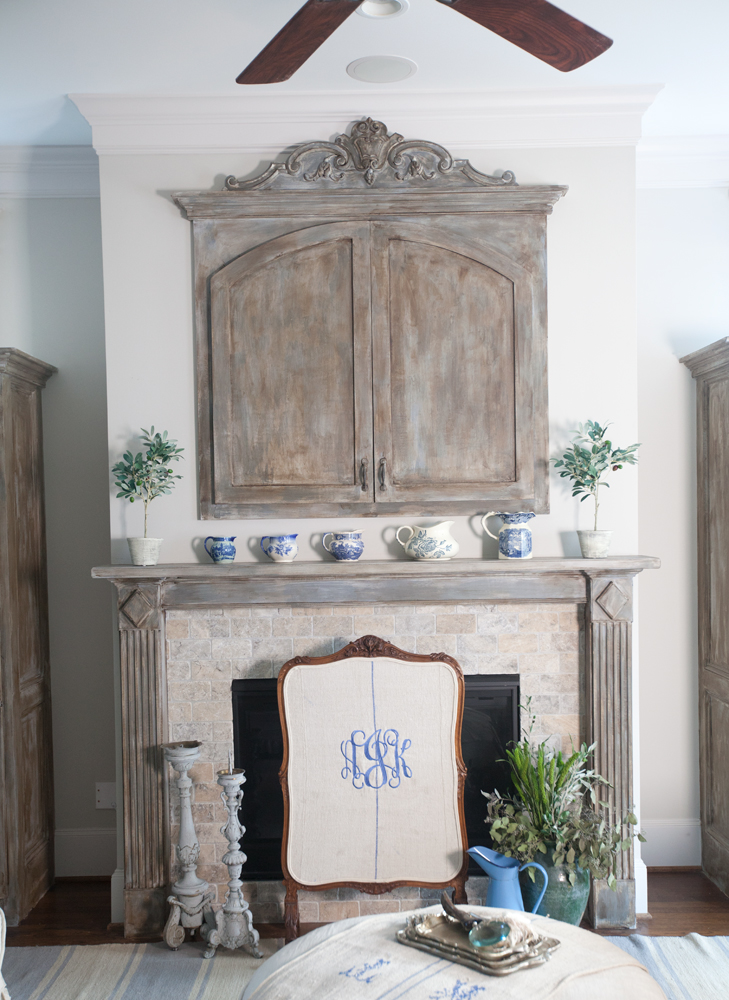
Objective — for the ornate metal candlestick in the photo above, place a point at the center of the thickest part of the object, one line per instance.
(231, 926)
(190, 894)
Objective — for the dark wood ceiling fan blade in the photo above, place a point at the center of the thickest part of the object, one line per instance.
(539, 28)
(297, 40)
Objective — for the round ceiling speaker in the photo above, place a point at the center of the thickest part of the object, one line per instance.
(382, 69)
(383, 8)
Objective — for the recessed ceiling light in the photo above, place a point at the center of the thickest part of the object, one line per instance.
(383, 8)
(382, 69)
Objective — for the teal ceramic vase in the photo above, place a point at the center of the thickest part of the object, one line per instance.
(561, 901)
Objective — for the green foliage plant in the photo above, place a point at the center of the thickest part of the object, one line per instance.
(147, 474)
(590, 459)
(555, 804)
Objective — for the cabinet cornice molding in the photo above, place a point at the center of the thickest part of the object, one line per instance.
(23, 368)
(371, 170)
(710, 360)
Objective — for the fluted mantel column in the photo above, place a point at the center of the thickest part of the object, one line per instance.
(144, 730)
(609, 724)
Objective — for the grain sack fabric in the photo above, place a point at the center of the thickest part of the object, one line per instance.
(372, 775)
(362, 958)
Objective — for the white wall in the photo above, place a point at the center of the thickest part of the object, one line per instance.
(51, 306)
(683, 269)
(149, 337)
(149, 331)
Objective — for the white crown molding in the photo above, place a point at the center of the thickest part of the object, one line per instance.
(49, 172)
(266, 123)
(683, 161)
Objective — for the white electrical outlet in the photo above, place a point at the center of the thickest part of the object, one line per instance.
(106, 795)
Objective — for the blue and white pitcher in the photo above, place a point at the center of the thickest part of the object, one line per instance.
(345, 546)
(220, 549)
(515, 538)
(280, 548)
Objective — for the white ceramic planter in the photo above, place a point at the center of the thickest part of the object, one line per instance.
(144, 551)
(595, 544)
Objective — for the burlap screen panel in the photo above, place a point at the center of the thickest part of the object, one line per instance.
(373, 782)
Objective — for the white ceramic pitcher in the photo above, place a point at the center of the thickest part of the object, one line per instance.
(433, 542)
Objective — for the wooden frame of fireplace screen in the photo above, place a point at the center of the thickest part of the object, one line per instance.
(372, 773)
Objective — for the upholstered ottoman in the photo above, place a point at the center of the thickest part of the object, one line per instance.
(362, 958)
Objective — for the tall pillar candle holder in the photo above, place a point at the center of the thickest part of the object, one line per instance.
(190, 894)
(232, 925)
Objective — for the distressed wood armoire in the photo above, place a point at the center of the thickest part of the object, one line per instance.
(371, 334)
(710, 368)
(26, 760)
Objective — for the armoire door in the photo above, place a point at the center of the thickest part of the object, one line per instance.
(714, 630)
(291, 370)
(453, 410)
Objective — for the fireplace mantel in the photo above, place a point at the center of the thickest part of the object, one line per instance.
(604, 586)
(546, 579)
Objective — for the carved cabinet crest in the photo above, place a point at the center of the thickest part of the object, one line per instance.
(371, 334)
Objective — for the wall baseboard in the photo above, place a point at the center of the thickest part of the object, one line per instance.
(671, 843)
(85, 851)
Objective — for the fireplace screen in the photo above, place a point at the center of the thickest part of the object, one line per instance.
(490, 721)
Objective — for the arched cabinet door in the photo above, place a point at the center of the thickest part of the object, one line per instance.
(453, 360)
(290, 331)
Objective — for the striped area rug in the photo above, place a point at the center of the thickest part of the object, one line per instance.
(128, 972)
(687, 968)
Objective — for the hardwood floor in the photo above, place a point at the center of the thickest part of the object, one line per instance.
(77, 912)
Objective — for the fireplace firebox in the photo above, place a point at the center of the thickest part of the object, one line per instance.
(490, 722)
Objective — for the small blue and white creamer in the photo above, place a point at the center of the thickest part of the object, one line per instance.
(345, 546)
(220, 549)
(515, 538)
(280, 548)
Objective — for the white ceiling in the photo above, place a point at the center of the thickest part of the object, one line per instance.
(49, 49)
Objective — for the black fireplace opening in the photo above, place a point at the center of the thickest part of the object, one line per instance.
(490, 723)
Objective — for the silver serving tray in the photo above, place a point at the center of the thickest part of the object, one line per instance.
(440, 935)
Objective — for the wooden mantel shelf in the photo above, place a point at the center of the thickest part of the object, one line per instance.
(543, 579)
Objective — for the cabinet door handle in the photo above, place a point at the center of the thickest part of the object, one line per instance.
(381, 472)
(363, 473)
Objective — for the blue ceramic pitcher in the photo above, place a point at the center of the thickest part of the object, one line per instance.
(504, 889)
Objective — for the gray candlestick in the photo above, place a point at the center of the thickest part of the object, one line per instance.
(231, 926)
(190, 894)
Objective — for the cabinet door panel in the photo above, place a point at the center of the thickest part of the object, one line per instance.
(447, 318)
(291, 343)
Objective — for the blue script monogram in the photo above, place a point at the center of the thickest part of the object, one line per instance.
(386, 752)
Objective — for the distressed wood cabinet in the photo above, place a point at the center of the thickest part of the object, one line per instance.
(710, 368)
(371, 334)
(26, 760)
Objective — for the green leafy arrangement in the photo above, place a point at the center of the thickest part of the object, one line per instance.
(590, 459)
(555, 805)
(147, 475)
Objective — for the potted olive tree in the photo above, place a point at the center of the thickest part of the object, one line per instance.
(587, 463)
(554, 816)
(144, 477)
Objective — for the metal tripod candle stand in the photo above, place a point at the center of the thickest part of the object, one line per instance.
(231, 926)
(190, 894)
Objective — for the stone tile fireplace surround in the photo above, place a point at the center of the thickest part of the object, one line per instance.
(187, 630)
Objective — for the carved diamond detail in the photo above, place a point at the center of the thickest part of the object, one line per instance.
(137, 608)
(612, 600)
